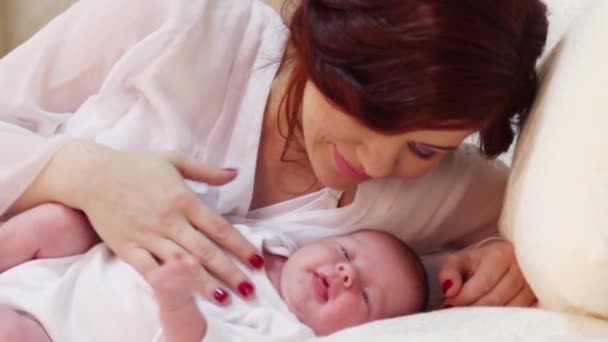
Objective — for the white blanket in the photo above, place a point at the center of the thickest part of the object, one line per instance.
(479, 325)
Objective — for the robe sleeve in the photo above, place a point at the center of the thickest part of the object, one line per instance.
(45, 80)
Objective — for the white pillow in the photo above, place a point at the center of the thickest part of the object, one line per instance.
(556, 210)
(561, 14)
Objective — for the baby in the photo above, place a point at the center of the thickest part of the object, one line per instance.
(317, 289)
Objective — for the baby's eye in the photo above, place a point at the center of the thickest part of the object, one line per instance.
(365, 296)
(343, 252)
(421, 150)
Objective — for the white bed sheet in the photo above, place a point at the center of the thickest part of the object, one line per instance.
(489, 324)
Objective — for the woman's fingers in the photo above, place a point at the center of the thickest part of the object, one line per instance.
(193, 169)
(508, 287)
(525, 298)
(141, 260)
(220, 231)
(163, 250)
(453, 272)
(484, 279)
(208, 287)
(494, 277)
(215, 260)
(204, 283)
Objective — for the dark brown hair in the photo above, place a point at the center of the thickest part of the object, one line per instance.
(420, 274)
(403, 65)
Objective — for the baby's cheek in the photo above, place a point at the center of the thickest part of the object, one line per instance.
(347, 311)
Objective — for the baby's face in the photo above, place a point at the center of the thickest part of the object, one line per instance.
(348, 280)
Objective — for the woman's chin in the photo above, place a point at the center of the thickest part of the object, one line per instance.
(336, 183)
(331, 178)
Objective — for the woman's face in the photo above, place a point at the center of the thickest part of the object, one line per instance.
(344, 152)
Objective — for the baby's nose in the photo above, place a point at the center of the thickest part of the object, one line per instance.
(347, 274)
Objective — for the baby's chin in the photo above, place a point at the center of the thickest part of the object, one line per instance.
(325, 327)
(305, 314)
(315, 320)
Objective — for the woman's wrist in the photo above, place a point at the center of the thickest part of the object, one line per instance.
(76, 172)
(66, 177)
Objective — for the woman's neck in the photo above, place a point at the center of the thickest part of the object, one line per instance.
(281, 174)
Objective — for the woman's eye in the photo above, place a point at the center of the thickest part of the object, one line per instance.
(343, 252)
(421, 150)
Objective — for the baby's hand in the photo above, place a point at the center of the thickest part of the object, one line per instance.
(174, 284)
(485, 276)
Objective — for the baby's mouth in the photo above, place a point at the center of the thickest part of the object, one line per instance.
(320, 286)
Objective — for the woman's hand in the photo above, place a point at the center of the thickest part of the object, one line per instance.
(141, 207)
(484, 276)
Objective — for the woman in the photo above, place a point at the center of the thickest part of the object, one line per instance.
(350, 119)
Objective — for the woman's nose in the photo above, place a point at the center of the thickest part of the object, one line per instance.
(378, 164)
(347, 274)
(378, 158)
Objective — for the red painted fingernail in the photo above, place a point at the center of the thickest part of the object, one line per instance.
(446, 285)
(246, 289)
(220, 295)
(256, 261)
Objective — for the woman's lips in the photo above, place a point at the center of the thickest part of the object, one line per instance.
(346, 169)
(320, 286)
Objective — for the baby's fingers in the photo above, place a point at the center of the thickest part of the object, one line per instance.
(174, 283)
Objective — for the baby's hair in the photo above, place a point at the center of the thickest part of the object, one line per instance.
(414, 261)
(421, 275)
(422, 284)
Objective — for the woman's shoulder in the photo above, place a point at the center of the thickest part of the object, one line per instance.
(466, 163)
(463, 167)
(463, 183)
